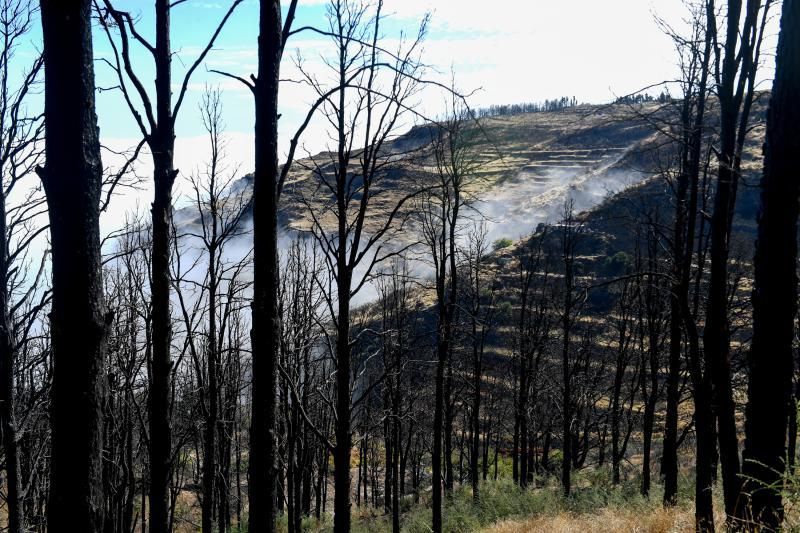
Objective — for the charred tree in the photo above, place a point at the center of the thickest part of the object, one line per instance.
(156, 122)
(689, 141)
(736, 91)
(72, 179)
(265, 335)
(775, 292)
(571, 229)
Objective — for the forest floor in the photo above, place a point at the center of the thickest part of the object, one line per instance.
(603, 520)
(594, 506)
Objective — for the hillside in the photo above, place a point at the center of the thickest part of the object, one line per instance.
(526, 165)
(606, 160)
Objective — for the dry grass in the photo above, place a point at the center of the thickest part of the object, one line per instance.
(604, 520)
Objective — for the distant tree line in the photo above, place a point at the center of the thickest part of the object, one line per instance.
(499, 110)
(560, 104)
(644, 98)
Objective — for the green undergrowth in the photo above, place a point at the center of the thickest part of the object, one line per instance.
(502, 500)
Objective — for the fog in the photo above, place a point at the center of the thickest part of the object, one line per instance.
(514, 209)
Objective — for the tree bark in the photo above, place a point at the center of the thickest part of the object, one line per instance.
(162, 146)
(735, 105)
(72, 181)
(775, 292)
(263, 474)
(341, 455)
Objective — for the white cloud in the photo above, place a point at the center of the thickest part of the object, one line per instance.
(512, 50)
(191, 154)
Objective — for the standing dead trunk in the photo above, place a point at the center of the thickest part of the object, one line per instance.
(624, 324)
(210, 454)
(669, 454)
(265, 335)
(735, 101)
(681, 314)
(474, 456)
(162, 145)
(775, 293)
(569, 240)
(566, 395)
(520, 451)
(652, 304)
(438, 419)
(72, 179)
(341, 454)
(157, 125)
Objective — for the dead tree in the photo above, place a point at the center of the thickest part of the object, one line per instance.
(735, 74)
(350, 228)
(775, 292)
(263, 475)
(693, 116)
(624, 324)
(398, 339)
(533, 331)
(441, 212)
(126, 274)
(19, 135)
(652, 303)
(480, 308)
(267, 185)
(571, 229)
(219, 211)
(684, 179)
(72, 179)
(157, 126)
(300, 304)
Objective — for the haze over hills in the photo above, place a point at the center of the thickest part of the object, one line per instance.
(525, 166)
(606, 160)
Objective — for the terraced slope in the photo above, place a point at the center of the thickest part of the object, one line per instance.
(527, 165)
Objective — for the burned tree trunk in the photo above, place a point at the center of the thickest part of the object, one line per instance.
(162, 145)
(775, 293)
(265, 335)
(653, 308)
(157, 125)
(72, 181)
(682, 316)
(571, 228)
(735, 100)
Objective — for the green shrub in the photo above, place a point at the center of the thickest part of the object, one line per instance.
(617, 264)
(505, 309)
(504, 242)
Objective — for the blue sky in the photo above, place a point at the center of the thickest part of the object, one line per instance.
(506, 50)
